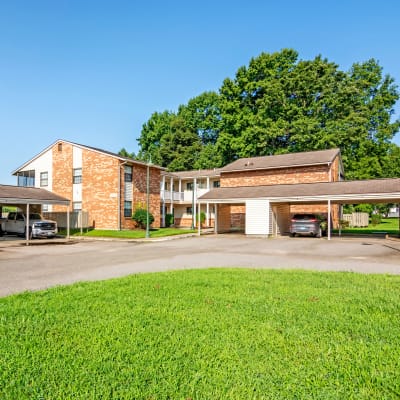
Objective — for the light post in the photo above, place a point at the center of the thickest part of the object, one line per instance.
(148, 198)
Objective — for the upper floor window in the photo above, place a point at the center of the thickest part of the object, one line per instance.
(26, 178)
(44, 179)
(216, 184)
(77, 175)
(189, 186)
(127, 173)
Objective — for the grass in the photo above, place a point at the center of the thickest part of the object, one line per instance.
(205, 334)
(388, 225)
(132, 234)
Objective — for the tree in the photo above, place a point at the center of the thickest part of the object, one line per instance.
(279, 104)
(124, 153)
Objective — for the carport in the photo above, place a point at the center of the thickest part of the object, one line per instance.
(25, 197)
(260, 200)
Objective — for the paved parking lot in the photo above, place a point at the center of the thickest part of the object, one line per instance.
(45, 265)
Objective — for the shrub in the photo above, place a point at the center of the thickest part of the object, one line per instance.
(344, 223)
(140, 217)
(169, 220)
(376, 219)
(202, 217)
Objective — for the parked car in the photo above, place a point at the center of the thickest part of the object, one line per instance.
(15, 223)
(308, 224)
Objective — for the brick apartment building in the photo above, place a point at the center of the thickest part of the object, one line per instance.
(105, 185)
(181, 191)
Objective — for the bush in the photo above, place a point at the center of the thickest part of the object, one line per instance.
(169, 220)
(202, 217)
(140, 217)
(344, 223)
(376, 219)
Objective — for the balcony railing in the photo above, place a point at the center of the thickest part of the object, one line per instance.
(176, 196)
(185, 196)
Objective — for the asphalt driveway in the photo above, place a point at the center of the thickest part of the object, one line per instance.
(42, 266)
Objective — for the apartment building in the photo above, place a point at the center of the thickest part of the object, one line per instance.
(105, 185)
(181, 191)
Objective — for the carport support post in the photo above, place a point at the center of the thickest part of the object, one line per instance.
(68, 228)
(27, 225)
(329, 219)
(199, 227)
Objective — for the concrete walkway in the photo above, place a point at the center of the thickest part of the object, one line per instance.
(46, 265)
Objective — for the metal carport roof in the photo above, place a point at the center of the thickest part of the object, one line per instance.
(26, 196)
(29, 195)
(362, 191)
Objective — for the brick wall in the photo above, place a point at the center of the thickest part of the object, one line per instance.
(100, 189)
(224, 218)
(276, 176)
(62, 172)
(140, 194)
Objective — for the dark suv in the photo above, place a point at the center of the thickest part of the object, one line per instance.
(308, 224)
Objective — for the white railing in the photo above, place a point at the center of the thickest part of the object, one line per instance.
(176, 196)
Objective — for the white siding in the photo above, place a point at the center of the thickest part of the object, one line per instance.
(76, 157)
(257, 217)
(44, 163)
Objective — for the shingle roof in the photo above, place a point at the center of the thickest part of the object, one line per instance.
(371, 190)
(22, 195)
(197, 173)
(283, 160)
(132, 160)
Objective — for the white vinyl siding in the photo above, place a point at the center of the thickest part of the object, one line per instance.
(257, 217)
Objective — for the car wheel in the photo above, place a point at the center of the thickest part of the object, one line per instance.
(292, 234)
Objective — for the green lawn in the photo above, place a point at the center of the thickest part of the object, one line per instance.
(205, 334)
(133, 234)
(388, 225)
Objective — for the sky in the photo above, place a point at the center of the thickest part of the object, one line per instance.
(93, 72)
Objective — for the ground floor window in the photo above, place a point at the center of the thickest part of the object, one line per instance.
(189, 210)
(77, 206)
(127, 209)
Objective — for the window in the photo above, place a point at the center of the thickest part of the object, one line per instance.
(59, 146)
(45, 207)
(189, 186)
(77, 175)
(77, 206)
(216, 184)
(26, 178)
(128, 173)
(127, 209)
(44, 179)
(189, 210)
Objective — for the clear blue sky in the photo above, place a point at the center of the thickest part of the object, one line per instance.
(93, 72)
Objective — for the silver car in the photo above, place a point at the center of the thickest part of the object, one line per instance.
(307, 224)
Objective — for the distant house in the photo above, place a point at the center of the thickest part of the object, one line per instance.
(105, 185)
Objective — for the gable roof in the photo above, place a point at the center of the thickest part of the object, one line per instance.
(197, 173)
(371, 190)
(23, 195)
(290, 160)
(109, 153)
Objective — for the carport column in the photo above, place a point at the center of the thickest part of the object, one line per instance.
(27, 225)
(216, 218)
(199, 223)
(171, 190)
(68, 228)
(329, 219)
(163, 201)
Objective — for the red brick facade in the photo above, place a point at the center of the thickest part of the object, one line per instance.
(103, 186)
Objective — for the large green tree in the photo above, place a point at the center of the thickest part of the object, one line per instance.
(280, 104)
